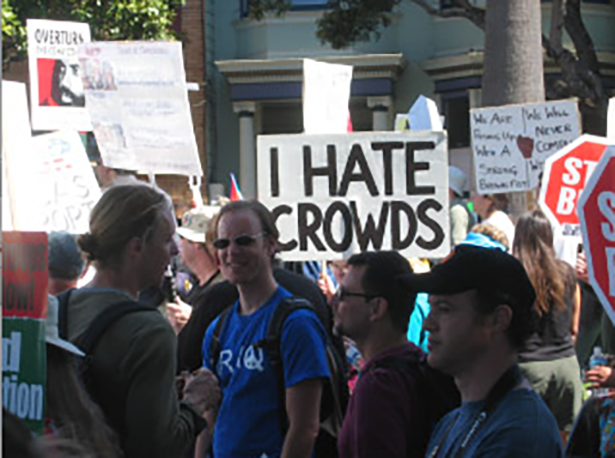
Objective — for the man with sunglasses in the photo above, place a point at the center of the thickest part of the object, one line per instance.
(248, 422)
(386, 415)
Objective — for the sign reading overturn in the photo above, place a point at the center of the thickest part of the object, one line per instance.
(335, 195)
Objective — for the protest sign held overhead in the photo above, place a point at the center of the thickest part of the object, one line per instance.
(597, 218)
(137, 99)
(16, 135)
(24, 309)
(326, 91)
(51, 184)
(56, 89)
(334, 195)
(565, 175)
(512, 143)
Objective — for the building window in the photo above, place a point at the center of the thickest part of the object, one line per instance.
(457, 118)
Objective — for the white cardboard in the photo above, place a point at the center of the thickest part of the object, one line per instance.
(326, 91)
(377, 189)
(512, 143)
(137, 98)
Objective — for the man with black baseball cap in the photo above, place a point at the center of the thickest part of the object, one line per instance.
(481, 311)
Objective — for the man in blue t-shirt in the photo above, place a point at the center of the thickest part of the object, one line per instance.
(481, 311)
(248, 421)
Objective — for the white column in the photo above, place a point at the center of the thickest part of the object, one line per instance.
(380, 112)
(247, 150)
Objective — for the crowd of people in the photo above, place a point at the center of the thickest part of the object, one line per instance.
(474, 355)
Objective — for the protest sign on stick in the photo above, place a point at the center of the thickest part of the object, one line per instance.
(566, 174)
(56, 88)
(24, 309)
(138, 103)
(334, 195)
(512, 143)
(597, 218)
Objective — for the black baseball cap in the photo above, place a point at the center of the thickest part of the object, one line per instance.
(471, 267)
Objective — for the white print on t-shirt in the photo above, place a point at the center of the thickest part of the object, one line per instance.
(251, 359)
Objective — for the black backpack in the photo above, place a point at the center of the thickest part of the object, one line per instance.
(335, 391)
(87, 343)
(437, 392)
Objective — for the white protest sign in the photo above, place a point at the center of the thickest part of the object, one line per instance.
(423, 115)
(326, 91)
(53, 185)
(334, 195)
(56, 88)
(512, 143)
(137, 100)
(16, 135)
(610, 119)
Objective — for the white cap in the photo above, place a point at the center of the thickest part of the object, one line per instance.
(195, 223)
(51, 327)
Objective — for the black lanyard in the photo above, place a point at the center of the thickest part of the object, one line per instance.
(509, 379)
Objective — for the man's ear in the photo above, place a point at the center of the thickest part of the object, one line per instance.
(501, 318)
(379, 308)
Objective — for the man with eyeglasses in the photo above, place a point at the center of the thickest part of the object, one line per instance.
(387, 413)
(248, 422)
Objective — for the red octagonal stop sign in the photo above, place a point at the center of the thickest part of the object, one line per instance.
(597, 216)
(564, 177)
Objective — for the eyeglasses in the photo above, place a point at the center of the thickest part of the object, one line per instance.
(342, 294)
(242, 240)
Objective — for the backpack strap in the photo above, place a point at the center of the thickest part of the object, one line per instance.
(215, 347)
(63, 299)
(99, 325)
(272, 344)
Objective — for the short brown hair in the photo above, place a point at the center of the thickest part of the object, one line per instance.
(262, 212)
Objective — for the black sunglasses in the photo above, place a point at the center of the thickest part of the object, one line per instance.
(342, 294)
(242, 240)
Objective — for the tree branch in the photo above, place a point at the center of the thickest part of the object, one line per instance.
(462, 9)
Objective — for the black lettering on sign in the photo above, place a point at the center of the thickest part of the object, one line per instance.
(310, 172)
(277, 212)
(397, 242)
(307, 230)
(357, 157)
(370, 233)
(274, 179)
(438, 232)
(18, 295)
(338, 207)
(412, 167)
(387, 160)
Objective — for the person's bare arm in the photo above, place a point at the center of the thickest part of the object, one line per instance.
(576, 313)
(303, 411)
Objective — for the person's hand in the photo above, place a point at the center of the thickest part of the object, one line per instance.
(581, 267)
(600, 376)
(202, 390)
(326, 285)
(178, 314)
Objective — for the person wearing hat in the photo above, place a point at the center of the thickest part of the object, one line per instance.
(481, 313)
(197, 254)
(461, 217)
(66, 262)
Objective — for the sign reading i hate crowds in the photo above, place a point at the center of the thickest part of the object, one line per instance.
(338, 194)
(512, 143)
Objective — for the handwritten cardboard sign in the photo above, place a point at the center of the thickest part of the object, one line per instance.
(52, 184)
(137, 99)
(335, 195)
(56, 89)
(511, 143)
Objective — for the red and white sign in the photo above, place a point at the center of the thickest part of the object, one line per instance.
(565, 175)
(597, 217)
